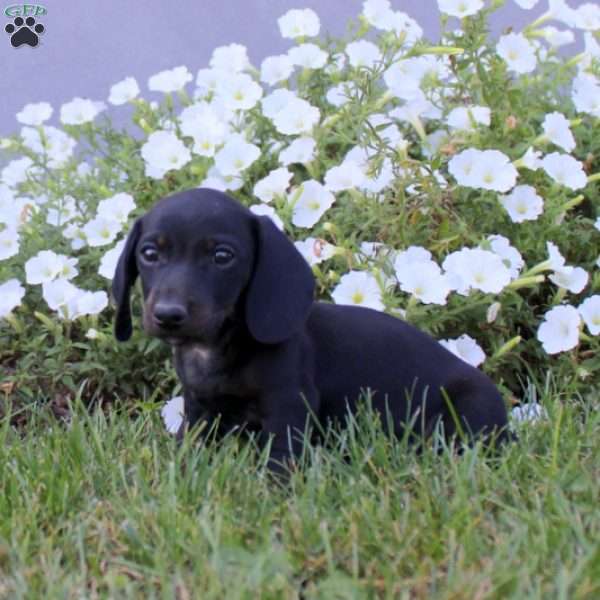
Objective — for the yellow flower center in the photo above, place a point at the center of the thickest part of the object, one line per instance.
(358, 297)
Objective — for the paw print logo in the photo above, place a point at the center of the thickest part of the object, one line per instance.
(24, 32)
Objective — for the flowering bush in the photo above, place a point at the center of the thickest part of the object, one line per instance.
(452, 185)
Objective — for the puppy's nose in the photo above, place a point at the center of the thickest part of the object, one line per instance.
(169, 316)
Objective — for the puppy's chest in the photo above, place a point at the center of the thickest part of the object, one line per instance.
(203, 371)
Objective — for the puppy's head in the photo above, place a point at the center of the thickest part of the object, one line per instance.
(205, 260)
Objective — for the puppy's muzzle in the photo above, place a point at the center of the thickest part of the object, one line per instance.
(169, 316)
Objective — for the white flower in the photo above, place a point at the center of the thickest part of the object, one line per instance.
(75, 234)
(274, 69)
(560, 330)
(494, 171)
(297, 23)
(91, 303)
(172, 414)
(465, 347)
(412, 255)
(170, 80)
(267, 211)
(11, 208)
(573, 279)
(108, 263)
(35, 114)
(46, 265)
(531, 159)
(424, 280)
(474, 268)
(232, 58)
(509, 254)
(162, 152)
(208, 80)
(523, 204)
(276, 101)
(358, 288)
(339, 94)
(586, 95)
(532, 412)
(363, 54)
(92, 334)
(123, 91)
(587, 17)
(84, 169)
(311, 205)
(589, 309)
(274, 184)
(413, 110)
(527, 4)
(377, 13)
(485, 169)
(9, 243)
(555, 258)
(315, 250)
(376, 251)
(492, 312)
(13, 211)
(54, 143)
(217, 181)
(466, 118)
(236, 156)
(80, 110)
(592, 52)
(556, 129)
(101, 231)
(557, 37)
(17, 171)
(463, 166)
(62, 296)
(561, 11)
(346, 176)
(11, 295)
(301, 150)
(201, 122)
(517, 52)
(308, 56)
(565, 170)
(405, 28)
(460, 8)
(298, 117)
(116, 207)
(65, 210)
(239, 92)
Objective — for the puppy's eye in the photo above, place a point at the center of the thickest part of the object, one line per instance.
(149, 254)
(223, 255)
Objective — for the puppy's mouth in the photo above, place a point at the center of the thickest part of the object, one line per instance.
(191, 331)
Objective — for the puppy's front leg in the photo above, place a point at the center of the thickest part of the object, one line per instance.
(285, 420)
(195, 413)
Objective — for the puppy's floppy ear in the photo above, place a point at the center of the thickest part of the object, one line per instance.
(280, 292)
(125, 276)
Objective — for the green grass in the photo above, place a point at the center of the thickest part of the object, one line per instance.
(107, 507)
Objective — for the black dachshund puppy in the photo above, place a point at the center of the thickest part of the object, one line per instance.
(234, 298)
